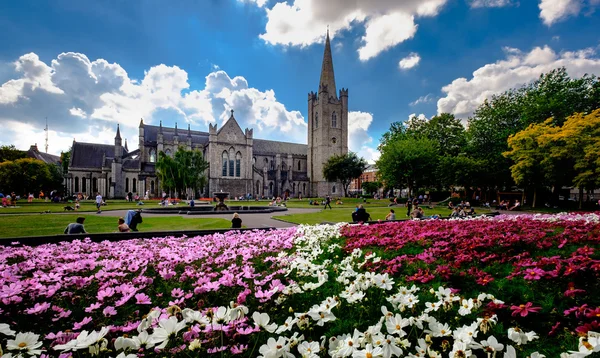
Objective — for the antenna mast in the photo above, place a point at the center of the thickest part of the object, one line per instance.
(46, 130)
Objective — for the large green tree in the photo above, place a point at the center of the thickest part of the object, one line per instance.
(408, 163)
(27, 175)
(185, 170)
(10, 153)
(344, 168)
(371, 187)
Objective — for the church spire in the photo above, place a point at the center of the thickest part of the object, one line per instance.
(118, 136)
(327, 77)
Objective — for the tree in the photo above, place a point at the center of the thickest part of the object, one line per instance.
(371, 187)
(409, 162)
(344, 168)
(530, 168)
(186, 170)
(10, 153)
(65, 158)
(28, 175)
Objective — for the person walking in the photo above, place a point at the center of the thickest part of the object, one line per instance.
(76, 227)
(98, 203)
(328, 202)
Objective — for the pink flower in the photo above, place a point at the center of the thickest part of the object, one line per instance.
(534, 273)
(93, 307)
(38, 308)
(524, 310)
(142, 299)
(109, 311)
(79, 325)
(177, 292)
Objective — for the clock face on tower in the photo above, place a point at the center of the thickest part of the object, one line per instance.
(333, 140)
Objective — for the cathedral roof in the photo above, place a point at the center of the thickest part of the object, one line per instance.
(151, 135)
(90, 155)
(327, 76)
(271, 147)
(34, 153)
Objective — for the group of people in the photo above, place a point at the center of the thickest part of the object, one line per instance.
(9, 200)
(129, 223)
(506, 205)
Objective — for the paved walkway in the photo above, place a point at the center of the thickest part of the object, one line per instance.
(248, 220)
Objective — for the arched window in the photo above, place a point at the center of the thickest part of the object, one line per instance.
(272, 165)
(168, 152)
(283, 166)
(270, 188)
(152, 156)
(231, 162)
(152, 186)
(257, 188)
(83, 185)
(316, 119)
(304, 188)
(134, 185)
(238, 164)
(76, 184)
(225, 163)
(95, 185)
(299, 165)
(333, 189)
(127, 185)
(334, 120)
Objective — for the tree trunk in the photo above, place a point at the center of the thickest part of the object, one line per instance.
(534, 197)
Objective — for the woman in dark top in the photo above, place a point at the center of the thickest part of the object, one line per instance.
(236, 222)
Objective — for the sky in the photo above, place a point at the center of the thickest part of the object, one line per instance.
(86, 66)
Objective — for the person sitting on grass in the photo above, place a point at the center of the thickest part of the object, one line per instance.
(391, 215)
(517, 206)
(361, 215)
(236, 222)
(122, 226)
(76, 227)
(417, 213)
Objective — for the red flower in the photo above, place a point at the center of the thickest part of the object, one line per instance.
(524, 310)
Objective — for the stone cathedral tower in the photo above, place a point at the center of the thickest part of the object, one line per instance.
(327, 127)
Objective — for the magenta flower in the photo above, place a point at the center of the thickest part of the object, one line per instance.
(38, 308)
(177, 292)
(142, 299)
(109, 311)
(534, 273)
(524, 310)
(79, 325)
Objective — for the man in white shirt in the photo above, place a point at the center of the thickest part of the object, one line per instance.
(98, 203)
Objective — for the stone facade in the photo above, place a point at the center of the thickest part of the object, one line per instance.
(239, 163)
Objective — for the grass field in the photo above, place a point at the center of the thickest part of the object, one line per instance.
(345, 214)
(38, 206)
(48, 224)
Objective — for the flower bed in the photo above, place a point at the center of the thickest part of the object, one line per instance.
(510, 286)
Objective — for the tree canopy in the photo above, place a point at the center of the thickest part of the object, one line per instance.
(185, 170)
(344, 168)
(10, 153)
(27, 175)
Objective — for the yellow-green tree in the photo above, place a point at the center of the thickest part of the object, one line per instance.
(531, 166)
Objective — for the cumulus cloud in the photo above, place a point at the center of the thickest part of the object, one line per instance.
(409, 61)
(463, 95)
(359, 140)
(490, 3)
(552, 11)
(386, 22)
(85, 99)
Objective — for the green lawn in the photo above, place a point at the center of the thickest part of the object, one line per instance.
(38, 206)
(345, 214)
(48, 224)
(304, 203)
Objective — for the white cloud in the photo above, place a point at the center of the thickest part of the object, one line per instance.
(552, 11)
(359, 140)
(423, 99)
(409, 61)
(490, 3)
(85, 99)
(259, 3)
(463, 95)
(386, 22)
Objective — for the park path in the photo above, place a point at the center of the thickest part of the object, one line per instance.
(248, 220)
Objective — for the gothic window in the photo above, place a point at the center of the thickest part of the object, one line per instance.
(334, 120)
(134, 186)
(231, 162)
(127, 185)
(152, 186)
(152, 156)
(333, 189)
(272, 165)
(238, 164)
(299, 165)
(283, 166)
(271, 189)
(95, 185)
(83, 185)
(225, 163)
(168, 152)
(316, 119)
(257, 188)
(76, 184)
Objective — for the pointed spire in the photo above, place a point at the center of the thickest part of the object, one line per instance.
(118, 136)
(327, 77)
(142, 122)
(189, 131)
(175, 128)
(231, 113)
(160, 127)
(126, 145)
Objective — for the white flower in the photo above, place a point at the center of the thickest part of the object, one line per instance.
(459, 349)
(5, 330)
(195, 344)
(395, 324)
(142, 340)
(262, 320)
(383, 281)
(390, 347)
(349, 344)
(167, 329)
(190, 315)
(122, 343)
(490, 345)
(274, 348)
(84, 340)
(537, 355)
(439, 329)
(432, 306)
(287, 325)
(519, 337)
(309, 350)
(368, 352)
(321, 316)
(510, 352)
(466, 333)
(122, 355)
(25, 343)
(465, 307)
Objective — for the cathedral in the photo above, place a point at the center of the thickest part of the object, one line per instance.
(239, 163)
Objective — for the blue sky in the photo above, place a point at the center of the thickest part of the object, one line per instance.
(87, 65)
